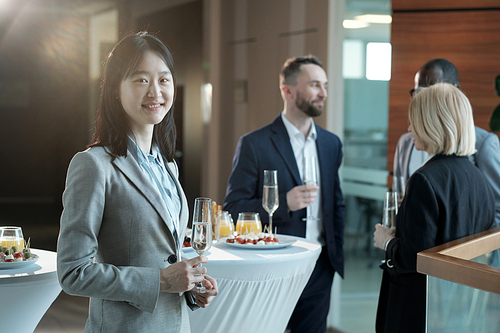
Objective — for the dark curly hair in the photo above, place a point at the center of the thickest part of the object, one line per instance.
(449, 71)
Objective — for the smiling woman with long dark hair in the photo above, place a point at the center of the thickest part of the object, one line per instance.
(125, 213)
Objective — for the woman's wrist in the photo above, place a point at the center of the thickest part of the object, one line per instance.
(387, 243)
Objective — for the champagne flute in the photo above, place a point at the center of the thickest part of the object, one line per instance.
(201, 237)
(270, 197)
(390, 209)
(310, 177)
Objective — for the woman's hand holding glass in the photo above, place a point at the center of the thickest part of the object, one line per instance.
(382, 235)
(203, 299)
(183, 276)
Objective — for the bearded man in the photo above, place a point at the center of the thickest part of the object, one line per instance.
(283, 146)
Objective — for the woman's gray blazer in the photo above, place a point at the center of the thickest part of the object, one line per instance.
(113, 242)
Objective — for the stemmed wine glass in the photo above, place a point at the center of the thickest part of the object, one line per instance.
(270, 197)
(201, 238)
(310, 175)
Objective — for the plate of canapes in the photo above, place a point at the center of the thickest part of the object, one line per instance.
(259, 241)
(12, 258)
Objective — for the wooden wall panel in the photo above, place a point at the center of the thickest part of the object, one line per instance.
(443, 4)
(469, 39)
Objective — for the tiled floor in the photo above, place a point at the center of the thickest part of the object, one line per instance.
(359, 296)
(68, 313)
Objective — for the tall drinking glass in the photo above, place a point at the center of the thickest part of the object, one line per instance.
(201, 237)
(310, 177)
(226, 226)
(390, 209)
(270, 196)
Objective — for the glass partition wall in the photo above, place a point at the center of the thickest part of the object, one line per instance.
(463, 284)
(455, 308)
(366, 70)
(366, 73)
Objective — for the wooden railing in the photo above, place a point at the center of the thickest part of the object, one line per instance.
(451, 261)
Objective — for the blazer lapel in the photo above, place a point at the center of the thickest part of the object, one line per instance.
(184, 215)
(281, 141)
(129, 167)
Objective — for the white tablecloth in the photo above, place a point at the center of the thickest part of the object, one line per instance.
(26, 293)
(258, 289)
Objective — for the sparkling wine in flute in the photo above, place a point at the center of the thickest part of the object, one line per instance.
(201, 239)
(390, 209)
(201, 235)
(270, 200)
(389, 217)
(200, 247)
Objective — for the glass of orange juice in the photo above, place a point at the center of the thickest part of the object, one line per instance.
(226, 226)
(12, 236)
(248, 223)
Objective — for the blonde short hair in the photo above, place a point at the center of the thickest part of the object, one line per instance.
(441, 117)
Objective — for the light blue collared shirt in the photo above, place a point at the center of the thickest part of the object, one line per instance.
(155, 170)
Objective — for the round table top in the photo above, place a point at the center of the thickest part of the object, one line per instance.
(44, 269)
(224, 253)
(228, 261)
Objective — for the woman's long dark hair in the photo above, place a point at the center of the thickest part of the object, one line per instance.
(112, 126)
